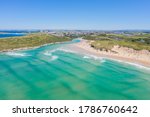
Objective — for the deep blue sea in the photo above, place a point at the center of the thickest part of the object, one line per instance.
(4, 35)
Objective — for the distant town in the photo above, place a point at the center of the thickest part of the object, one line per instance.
(76, 33)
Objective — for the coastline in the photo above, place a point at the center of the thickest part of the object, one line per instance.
(84, 47)
(27, 48)
(117, 53)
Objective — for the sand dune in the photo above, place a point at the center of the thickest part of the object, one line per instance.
(120, 53)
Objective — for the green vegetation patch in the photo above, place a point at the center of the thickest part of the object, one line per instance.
(108, 41)
(109, 44)
(31, 40)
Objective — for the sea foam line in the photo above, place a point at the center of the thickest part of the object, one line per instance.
(48, 53)
(17, 54)
(54, 58)
(130, 63)
(102, 59)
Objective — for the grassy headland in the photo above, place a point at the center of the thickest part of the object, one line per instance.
(108, 41)
(31, 40)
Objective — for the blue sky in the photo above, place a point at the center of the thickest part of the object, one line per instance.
(75, 14)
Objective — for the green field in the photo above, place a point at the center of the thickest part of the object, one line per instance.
(31, 40)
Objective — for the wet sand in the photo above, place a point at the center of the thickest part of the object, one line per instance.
(118, 53)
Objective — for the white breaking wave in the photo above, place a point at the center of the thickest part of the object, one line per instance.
(102, 60)
(17, 54)
(54, 58)
(86, 57)
(49, 53)
(65, 50)
(133, 64)
(93, 57)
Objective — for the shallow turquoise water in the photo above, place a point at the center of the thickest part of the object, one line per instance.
(52, 72)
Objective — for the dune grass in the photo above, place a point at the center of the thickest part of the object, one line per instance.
(108, 41)
(109, 44)
(31, 40)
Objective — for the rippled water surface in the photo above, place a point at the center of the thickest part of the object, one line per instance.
(53, 72)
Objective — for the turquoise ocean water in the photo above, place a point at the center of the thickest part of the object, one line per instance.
(52, 72)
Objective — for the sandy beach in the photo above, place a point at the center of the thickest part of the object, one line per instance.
(118, 53)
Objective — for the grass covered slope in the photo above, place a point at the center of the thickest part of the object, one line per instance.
(108, 41)
(31, 40)
(109, 44)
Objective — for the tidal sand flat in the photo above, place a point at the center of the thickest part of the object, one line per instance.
(58, 71)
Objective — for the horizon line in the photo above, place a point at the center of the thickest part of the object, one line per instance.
(82, 29)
